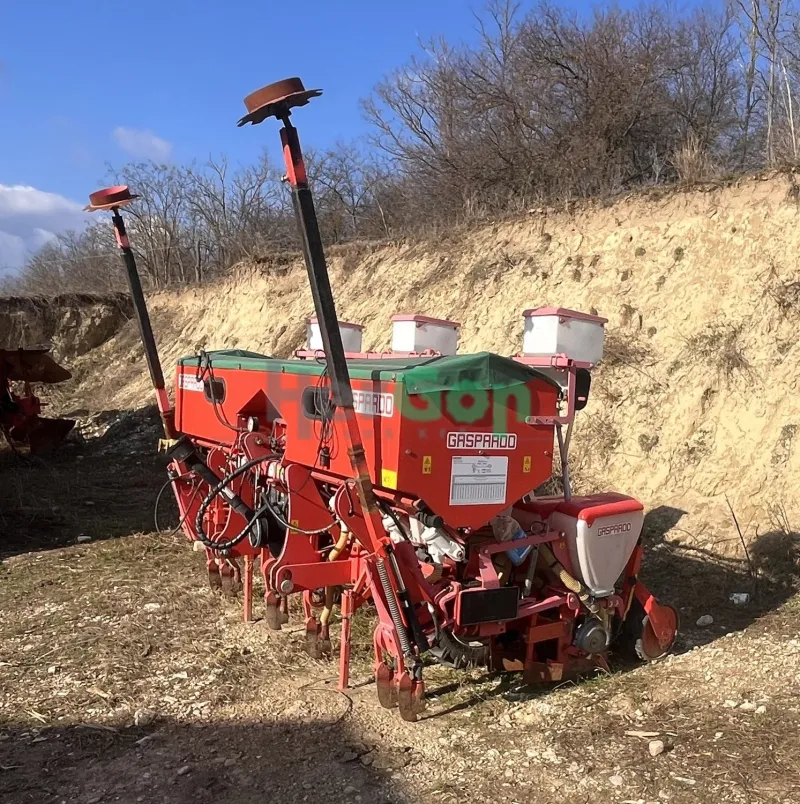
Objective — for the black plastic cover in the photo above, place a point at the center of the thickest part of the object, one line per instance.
(476, 606)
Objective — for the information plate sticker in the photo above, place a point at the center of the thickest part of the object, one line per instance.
(478, 480)
(188, 382)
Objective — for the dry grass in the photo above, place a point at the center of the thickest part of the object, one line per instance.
(599, 434)
(785, 294)
(719, 347)
(125, 676)
(594, 736)
(623, 349)
(105, 634)
(114, 627)
(692, 162)
(711, 749)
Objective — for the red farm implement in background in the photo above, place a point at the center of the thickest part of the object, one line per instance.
(20, 409)
(405, 482)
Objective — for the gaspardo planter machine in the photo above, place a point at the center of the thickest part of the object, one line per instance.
(404, 481)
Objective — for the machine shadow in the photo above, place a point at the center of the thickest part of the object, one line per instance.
(245, 762)
(96, 487)
(695, 581)
(701, 582)
(509, 686)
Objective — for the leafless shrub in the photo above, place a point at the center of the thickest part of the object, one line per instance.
(624, 349)
(553, 108)
(648, 442)
(719, 346)
(599, 434)
(552, 487)
(785, 293)
(779, 519)
(783, 448)
(606, 390)
(697, 447)
(596, 440)
(776, 552)
(544, 109)
(707, 399)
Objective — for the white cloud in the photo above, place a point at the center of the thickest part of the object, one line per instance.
(29, 218)
(40, 237)
(12, 251)
(142, 144)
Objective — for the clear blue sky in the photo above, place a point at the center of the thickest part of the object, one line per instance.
(72, 72)
(86, 83)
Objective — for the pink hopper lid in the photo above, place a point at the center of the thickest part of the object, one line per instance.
(313, 320)
(424, 319)
(562, 312)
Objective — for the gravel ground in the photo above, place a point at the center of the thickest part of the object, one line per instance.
(124, 678)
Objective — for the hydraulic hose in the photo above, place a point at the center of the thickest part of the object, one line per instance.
(387, 509)
(281, 521)
(221, 488)
(231, 543)
(158, 502)
(183, 451)
(573, 584)
(239, 506)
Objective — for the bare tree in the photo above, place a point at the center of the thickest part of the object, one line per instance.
(543, 106)
(72, 262)
(158, 219)
(549, 105)
(235, 211)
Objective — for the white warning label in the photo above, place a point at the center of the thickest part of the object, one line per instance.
(188, 382)
(478, 480)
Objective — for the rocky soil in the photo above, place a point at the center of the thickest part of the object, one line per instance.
(123, 678)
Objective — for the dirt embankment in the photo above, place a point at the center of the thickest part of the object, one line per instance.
(697, 398)
(71, 325)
